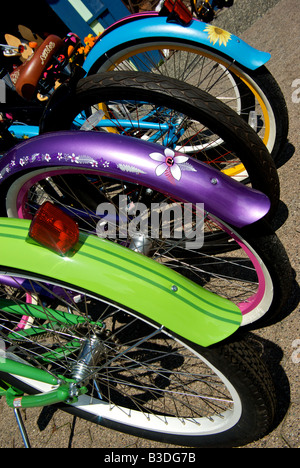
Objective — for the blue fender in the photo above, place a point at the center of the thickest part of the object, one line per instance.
(153, 28)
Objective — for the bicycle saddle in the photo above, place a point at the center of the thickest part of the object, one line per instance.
(26, 76)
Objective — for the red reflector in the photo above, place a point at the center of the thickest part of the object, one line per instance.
(180, 9)
(54, 229)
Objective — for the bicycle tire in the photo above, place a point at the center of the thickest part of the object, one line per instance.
(258, 88)
(125, 397)
(234, 139)
(248, 266)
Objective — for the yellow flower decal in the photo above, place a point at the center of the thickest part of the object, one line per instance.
(216, 34)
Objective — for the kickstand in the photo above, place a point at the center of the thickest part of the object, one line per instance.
(23, 432)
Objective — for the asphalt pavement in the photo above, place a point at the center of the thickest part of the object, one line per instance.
(271, 25)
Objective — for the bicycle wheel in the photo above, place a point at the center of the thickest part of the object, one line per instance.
(248, 266)
(253, 94)
(171, 113)
(143, 380)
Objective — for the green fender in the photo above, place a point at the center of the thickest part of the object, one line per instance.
(126, 278)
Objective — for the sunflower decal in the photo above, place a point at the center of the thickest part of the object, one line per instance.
(216, 34)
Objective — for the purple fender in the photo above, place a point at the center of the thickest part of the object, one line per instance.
(143, 163)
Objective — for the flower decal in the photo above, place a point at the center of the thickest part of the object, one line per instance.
(73, 158)
(169, 163)
(216, 34)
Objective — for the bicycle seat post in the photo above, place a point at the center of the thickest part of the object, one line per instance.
(22, 427)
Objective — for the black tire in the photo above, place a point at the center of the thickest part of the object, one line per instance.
(236, 136)
(269, 86)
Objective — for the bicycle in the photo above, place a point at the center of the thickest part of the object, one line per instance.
(204, 128)
(160, 111)
(168, 112)
(209, 59)
(254, 389)
(100, 349)
(109, 184)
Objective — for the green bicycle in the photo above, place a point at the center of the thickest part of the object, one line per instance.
(96, 345)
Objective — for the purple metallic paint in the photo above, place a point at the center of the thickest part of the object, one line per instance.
(129, 159)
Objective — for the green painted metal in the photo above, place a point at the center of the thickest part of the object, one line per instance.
(31, 332)
(60, 352)
(128, 278)
(41, 312)
(63, 393)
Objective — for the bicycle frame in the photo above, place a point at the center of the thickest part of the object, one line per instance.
(154, 28)
(130, 159)
(62, 390)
